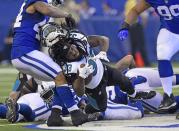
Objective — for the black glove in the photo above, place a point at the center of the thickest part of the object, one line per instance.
(70, 21)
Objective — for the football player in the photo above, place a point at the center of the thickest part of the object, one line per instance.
(27, 57)
(167, 42)
(90, 75)
(33, 106)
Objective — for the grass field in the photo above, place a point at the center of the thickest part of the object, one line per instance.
(7, 78)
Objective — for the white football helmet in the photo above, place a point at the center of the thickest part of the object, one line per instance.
(46, 91)
(51, 33)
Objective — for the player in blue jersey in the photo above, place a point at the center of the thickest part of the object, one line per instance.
(167, 42)
(27, 58)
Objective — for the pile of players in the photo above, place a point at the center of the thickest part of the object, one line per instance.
(98, 86)
(86, 86)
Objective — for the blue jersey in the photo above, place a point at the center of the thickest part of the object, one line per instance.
(116, 95)
(26, 29)
(168, 10)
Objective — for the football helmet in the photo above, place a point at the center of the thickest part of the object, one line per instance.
(46, 90)
(51, 33)
(80, 40)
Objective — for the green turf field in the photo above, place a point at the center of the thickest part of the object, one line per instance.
(7, 78)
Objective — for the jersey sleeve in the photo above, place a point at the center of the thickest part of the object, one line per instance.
(30, 2)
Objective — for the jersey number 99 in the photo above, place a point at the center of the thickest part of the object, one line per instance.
(168, 12)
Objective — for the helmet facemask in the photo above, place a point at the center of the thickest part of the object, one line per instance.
(51, 33)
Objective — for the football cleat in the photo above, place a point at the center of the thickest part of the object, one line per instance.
(144, 95)
(78, 117)
(12, 114)
(168, 104)
(55, 119)
(90, 109)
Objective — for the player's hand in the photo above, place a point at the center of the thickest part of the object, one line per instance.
(102, 55)
(124, 31)
(85, 71)
(70, 21)
(123, 34)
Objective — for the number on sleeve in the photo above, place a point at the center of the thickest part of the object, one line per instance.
(19, 17)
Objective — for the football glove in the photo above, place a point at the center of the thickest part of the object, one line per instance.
(70, 21)
(124, 31)
(102, 55)
(85, 71)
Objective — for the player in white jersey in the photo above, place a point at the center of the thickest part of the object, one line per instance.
(32, 106)
(29, 107)
(149, 79)
(119, 108)
(90, 75)
(149, 76)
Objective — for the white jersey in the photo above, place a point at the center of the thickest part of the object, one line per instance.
(116, 109)
(150, 74)
(36, 103)
(72, 68)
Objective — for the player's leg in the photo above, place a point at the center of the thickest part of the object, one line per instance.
(42, 67)
(3, 111)
(153, 103)
(122, 112)
(151, 75)
(24, 84)
(115, 77)
(97, 97)
(167, 46)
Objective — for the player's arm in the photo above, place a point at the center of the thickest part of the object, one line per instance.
(79, 86)
(125, 62)
(101, 41)
(84, 76)
(141, 6)
(131, 17)
(47, 9)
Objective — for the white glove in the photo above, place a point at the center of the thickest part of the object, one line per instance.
(101, 55)
(85, 71)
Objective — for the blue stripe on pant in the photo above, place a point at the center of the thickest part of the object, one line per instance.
(42, 63)
(35, 66)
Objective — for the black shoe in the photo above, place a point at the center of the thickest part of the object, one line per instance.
(12, 114)
(78, 117)
(177, 115)
(144, 95)
(168, 104)
(90, 109)
(55, 119)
